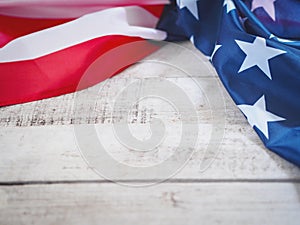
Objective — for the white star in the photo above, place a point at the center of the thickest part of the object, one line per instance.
(258, 116)
(191, 5)
(229, 4)
(214, 52)
(258, 54)
(268, 6)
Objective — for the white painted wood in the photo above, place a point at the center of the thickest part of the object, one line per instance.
(50, 153)
(208, 203)
(94, 104)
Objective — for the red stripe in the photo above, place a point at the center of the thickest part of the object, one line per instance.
(13, 27)
(156, 10)
(59, 73)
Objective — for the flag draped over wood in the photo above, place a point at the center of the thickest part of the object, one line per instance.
(45, 47)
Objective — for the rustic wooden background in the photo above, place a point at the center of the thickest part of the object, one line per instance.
(45, 180)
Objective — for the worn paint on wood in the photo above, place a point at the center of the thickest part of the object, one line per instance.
(176, 203)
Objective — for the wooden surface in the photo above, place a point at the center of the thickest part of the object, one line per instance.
(44, 178)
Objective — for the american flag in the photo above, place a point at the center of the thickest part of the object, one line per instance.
(253, 45)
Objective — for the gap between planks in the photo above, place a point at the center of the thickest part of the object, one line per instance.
(151, 182)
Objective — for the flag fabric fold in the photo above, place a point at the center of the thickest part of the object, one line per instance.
(64, 9)
(254, 45)
(42, 58)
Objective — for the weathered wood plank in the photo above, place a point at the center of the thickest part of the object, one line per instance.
(50, 153)
(207, 203)
(95, 105)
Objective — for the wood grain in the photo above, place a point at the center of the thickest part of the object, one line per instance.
(50, 153)
(187, 203)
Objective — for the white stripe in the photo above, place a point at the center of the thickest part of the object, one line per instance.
(130, 21)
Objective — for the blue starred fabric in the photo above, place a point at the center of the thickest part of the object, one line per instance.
(254, 46)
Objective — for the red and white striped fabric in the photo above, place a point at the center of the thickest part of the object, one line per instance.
(46, 46)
